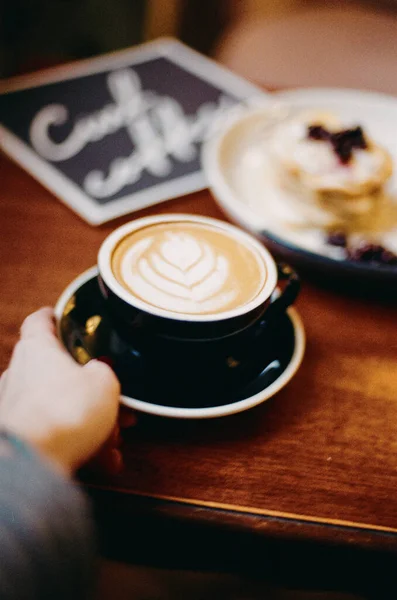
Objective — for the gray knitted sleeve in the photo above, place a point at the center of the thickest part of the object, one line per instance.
(46, 530)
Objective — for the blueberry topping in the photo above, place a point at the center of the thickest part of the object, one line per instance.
(371, 253)
(337, 238)
(318, 132)
(388, 258)
(343, 142)
(364, 252)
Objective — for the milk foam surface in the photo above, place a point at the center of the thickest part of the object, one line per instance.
(189, 268)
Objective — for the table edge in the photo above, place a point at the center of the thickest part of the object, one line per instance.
(266, 522)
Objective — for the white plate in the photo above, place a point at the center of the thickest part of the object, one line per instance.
(234, 161)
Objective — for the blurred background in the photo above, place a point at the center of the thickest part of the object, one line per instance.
(273, 42)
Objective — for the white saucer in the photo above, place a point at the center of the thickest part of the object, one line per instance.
(77, 292)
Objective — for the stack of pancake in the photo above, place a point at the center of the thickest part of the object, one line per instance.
(334, 176)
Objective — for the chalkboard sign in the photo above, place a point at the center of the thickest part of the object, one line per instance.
(113, 134)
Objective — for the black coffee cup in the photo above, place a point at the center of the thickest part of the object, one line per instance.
(182, 356)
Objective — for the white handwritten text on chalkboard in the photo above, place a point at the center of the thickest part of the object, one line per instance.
(158, 127)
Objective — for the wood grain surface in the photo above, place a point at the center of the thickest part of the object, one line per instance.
(319, 459)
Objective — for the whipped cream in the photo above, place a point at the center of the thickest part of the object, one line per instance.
(316, 163)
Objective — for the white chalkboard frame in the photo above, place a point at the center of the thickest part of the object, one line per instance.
(69, 192)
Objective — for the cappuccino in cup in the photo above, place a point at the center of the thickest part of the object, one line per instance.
(189, 268)
(191, 306)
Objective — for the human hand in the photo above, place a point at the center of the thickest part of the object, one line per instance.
(65, 411)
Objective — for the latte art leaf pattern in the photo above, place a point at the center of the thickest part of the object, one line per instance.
(179, 273)
(188, 268)
(181, 250)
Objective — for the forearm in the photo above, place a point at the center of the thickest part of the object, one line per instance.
(46, 532)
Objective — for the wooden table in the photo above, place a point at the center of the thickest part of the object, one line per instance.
(315, 467)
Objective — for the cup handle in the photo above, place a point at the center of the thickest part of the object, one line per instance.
(288, 294)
